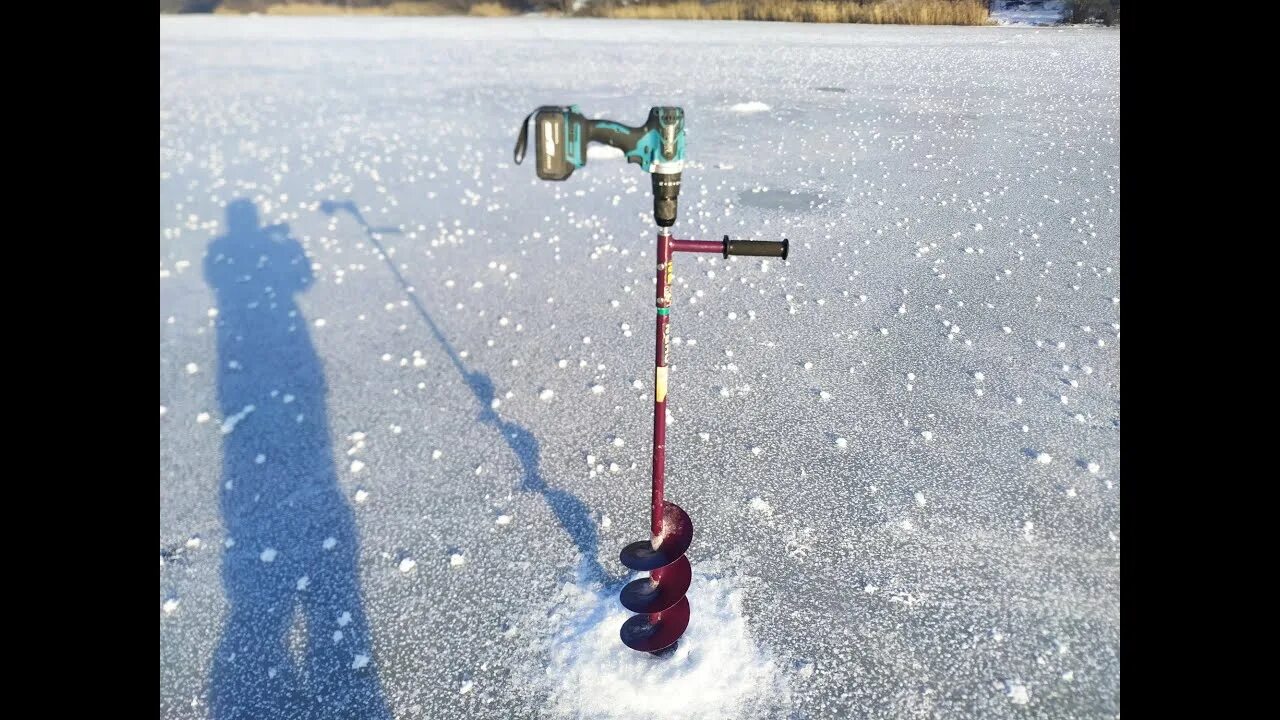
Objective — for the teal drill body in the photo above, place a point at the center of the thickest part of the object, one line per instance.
(561, 135)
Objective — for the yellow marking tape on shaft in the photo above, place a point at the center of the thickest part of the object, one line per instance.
(660, 385)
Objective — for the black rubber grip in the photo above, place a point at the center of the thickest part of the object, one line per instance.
(758, 248)
(607, 133)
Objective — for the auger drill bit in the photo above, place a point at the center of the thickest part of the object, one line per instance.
(561, 134)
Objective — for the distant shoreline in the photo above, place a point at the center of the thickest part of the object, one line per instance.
(888, 12)
(980, 13)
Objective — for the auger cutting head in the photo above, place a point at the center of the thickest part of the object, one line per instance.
(561, 134)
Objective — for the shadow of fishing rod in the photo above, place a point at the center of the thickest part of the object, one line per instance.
(569, 510)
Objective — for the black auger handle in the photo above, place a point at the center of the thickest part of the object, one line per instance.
(758, 248)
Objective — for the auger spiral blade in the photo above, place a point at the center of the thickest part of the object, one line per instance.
(660, 598)
(656, 632)
(664, 588)
(677, 533)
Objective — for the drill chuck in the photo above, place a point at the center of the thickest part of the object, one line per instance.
(666, 190)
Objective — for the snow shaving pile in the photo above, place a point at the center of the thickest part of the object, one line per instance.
(716, 672)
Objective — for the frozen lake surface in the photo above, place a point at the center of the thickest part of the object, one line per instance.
(405, 386)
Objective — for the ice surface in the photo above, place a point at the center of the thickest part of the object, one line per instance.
(359, 171)
(602, 152)
(718, 672)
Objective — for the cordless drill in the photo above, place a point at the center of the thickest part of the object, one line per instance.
(561, 135)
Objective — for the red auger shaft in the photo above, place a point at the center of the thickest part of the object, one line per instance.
(667, 247)
(662, 339)
(660, 598)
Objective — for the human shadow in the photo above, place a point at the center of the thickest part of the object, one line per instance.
(295, 642)
(571, 513)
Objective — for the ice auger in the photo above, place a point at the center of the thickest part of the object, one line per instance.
(561, 135)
